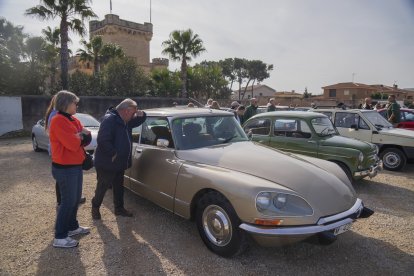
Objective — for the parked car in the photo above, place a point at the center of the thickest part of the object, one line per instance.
(263, 108)
(40, 138)
(199, 164)
(313, 134)
(396, 145)
(407, 118)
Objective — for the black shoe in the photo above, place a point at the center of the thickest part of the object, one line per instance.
(82, 200)
(95, 213)
(123, 212)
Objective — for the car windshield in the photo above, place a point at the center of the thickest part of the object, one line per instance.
(376, 119)
(203, 131)
(87, 120)
(323, 126)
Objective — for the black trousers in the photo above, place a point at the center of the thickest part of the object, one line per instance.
(105, 179)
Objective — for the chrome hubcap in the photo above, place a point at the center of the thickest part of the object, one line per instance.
(217, 225)
(392, 160)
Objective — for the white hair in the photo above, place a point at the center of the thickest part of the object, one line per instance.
(125, 104)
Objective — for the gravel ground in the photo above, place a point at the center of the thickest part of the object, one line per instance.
(155, 242)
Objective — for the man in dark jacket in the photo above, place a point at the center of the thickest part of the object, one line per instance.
(113, 154)
(251, 110)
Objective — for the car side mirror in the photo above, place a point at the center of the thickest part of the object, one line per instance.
(354, 126)
(163, 143)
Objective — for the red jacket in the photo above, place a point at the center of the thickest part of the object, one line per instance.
(65, 142)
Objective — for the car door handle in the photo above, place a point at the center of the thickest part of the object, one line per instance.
(311, 141)
(138, 150)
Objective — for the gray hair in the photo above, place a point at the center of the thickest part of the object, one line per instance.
(63, 99)
(125, 104)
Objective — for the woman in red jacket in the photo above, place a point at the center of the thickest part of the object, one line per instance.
(67, 137)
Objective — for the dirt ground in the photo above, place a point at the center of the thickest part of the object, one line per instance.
(156, 242)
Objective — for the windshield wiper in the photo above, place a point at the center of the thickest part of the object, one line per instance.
(328, 129)
(228, 139)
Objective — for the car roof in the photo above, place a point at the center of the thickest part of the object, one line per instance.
(185, 112)
(402, 109)
(293, 114)
(342, 110)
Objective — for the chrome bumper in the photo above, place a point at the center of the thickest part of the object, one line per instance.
(371, 172)
(323, 224)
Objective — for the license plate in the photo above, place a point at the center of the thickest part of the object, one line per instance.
(342, 229)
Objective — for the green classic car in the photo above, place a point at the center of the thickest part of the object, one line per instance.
(313, 134)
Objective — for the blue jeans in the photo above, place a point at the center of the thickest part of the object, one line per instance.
(70, 186)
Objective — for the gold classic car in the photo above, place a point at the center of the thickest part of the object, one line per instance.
(199, 164)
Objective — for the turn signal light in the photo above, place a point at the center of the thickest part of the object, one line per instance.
(268, 222)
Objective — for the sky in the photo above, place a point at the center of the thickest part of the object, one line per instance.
(310, 43)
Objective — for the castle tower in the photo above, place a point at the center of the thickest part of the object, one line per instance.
(133, 37)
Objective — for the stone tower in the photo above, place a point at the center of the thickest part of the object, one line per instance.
(133, 37)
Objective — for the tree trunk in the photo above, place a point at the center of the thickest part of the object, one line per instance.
(245, 89)
(64, 53)
(95, 65)
(184, 93)
(252, 86)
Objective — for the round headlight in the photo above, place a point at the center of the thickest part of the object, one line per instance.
(263, 200)
(361, 157)
(280, 201)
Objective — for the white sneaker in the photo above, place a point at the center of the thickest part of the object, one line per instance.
(65, 243)
(80, 230)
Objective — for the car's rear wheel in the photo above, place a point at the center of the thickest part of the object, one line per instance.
(35, 144)
(346, 170)
(393, 159)
(218, 225)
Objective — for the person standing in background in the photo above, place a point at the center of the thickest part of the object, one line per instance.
(67, 138)
(113, 154)
(251, 110)
(393, 111)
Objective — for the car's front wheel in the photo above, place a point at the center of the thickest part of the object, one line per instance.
(35, 144)
(393, 159)
(218, 225)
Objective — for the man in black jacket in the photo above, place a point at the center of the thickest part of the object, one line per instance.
(113, 154)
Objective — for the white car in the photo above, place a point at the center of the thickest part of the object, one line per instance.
(396, 145)
(40, 138)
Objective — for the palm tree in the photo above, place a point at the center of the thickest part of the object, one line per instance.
(52, 38)
(92, 52)
(72, 14)
(182, 46)
(98, 52)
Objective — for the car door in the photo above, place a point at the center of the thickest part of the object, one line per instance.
(351, 124)
(259, 129)
(154, 169)
(407, 120)
(42, 136)
(293, 135)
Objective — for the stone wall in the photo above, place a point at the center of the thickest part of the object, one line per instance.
(34, 107)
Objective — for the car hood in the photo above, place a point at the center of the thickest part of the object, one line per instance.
(320, 188)
(400, 132)
(345, 142)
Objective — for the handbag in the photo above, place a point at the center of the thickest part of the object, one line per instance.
(88, 161)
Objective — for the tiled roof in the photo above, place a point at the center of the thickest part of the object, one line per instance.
(348, 85)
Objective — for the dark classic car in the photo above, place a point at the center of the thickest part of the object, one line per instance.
(199, 164)
(313, 134)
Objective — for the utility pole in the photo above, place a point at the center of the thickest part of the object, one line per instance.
(150, 11)
(110, 6)
(353, 76)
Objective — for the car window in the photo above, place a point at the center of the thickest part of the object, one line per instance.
(292, 128)
(258, 126)
(155, 128)
(347, 120)
(323, 126)
(203, 131)
(327, 113)
(409, 117)
(87, 120)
